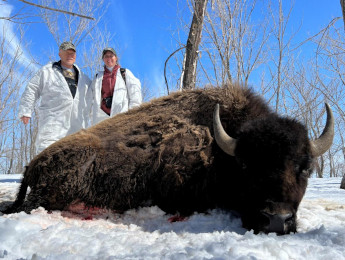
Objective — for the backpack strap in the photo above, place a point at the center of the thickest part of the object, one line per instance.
(123, 74)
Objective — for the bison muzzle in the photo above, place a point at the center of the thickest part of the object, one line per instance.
(174, 153)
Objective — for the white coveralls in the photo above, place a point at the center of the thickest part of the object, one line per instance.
(126, 95)
(59, 114)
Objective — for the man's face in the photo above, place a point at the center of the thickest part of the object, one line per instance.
(67, 58)
(109, 59)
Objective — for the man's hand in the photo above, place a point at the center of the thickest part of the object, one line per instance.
(25, 119)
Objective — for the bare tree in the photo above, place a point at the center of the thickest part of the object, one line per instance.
(281, 54)
(13, 74)
(57, 10)
(20, 17)
(66, 27)
(233, 47)
(24, 17)
(192, 45)
(92, 52)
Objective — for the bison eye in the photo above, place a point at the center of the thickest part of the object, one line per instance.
(306, 173)
(298, 169)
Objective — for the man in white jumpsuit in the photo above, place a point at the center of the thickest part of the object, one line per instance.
(61, 88)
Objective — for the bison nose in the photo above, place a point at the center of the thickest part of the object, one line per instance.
(277, 222)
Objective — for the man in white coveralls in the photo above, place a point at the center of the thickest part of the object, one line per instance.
(61, 88)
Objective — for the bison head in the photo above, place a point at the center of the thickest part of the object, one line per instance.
(275, 157)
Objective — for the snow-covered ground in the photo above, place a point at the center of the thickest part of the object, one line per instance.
(147, 234)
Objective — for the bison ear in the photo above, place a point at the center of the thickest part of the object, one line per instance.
(224, 141)
(324, 142)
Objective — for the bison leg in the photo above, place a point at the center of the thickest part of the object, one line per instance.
(20, 197)
(183, 171)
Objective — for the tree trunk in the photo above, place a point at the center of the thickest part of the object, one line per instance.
(319, 167)
(342, 3)
(342, 185)
(193, 42)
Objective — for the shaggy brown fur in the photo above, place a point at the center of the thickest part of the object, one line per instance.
(163, 153)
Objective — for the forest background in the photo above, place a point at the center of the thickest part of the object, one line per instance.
(292, 53)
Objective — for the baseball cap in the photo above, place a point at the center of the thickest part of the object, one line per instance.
(67, 46)
(108, 49)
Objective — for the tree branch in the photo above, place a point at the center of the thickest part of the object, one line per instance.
(57, 10)
(320, 32)
(165, 66)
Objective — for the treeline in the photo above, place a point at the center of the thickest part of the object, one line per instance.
(246, 41)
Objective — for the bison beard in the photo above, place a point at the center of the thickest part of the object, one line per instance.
(164, 153)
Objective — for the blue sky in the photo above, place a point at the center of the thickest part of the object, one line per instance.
(145, 32)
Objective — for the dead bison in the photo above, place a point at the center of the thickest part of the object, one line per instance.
(174, 153)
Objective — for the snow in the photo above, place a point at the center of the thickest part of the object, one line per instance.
(146, 233)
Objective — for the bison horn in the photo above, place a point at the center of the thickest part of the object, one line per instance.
(324, 142)
(224, 141)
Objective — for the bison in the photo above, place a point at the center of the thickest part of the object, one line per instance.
(176, 153)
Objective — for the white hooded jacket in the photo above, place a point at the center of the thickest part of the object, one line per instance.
(59, 114)
(126, 95)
